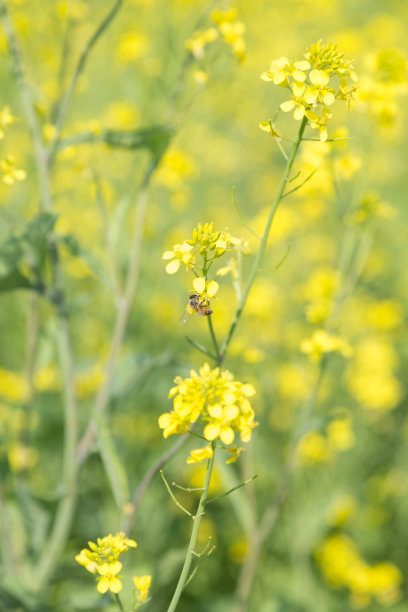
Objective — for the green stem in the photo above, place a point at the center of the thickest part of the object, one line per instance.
(263, 244)
(194, 536)
(118, 601)
(67, 99)
(214, 339)
(64, 514)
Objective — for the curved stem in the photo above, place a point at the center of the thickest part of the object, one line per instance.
(194, 536)
(263, 244)
(67, 99)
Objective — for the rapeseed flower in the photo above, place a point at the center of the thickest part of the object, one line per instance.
(322, 342)
(102, 558)
(315, 83)
(206, 243)
(142, 584)
(215, 399)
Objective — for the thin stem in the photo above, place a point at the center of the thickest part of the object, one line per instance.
(191, 551)
(118, 601)
(214, 339)
(67, 99)
(262, 247)
(242, 484)
(65, 510)
(7, 548)
(173, 497)
(122, 315)
(272, 512)
(148, 477)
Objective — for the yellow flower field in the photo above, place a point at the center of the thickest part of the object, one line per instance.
(203, 306)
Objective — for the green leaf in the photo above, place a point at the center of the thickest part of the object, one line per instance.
(22, 255)
(155, 138)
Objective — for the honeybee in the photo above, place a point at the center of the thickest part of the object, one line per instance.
(199, 305)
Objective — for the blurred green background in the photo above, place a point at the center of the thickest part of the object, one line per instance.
(340, 540)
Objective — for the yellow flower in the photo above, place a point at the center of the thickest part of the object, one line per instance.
(102, 559)
(180, 254)
(315, 82)
(86, 559)
(142, 584)
(301, 100)
(206, 290)
(6, 118)
(132, 46)
(199, 454)
(235, 452)
(109, 579)
(200, 40)
(319, 123)
(322, 342)
(214, 396)
(10, 172)
(205, 242)
(313, 448)
(281, 69)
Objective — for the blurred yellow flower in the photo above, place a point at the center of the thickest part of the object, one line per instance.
(199, 454)
(132, 46)
(322, 342)
(142, 584)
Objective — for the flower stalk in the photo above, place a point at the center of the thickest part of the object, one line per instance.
(264, 240)
(191, 551)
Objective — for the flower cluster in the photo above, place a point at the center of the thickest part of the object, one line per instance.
(10, 173)
(103, 559)
(315, 83)
(321, 342)
(204, 242)
(342, 565)
(214, 398)
(227, 26)
(382, 88)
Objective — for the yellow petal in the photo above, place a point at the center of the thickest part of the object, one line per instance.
(248, 390)
(173, 266)
(299, 75)
(319, 77)
(211, 431)
(287, 106)
(231, 412)
(279, 77)
(328, 98)
(267, 76)
(168, 255)
(199, 284)
(323, 134)
(299, 113)
(302, 65)
(212, 288)
(311, 115)
(227, 435)
(215, 411)
(103, 585)
(298, 88)
(115, 585)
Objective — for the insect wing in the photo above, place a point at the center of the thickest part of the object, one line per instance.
(184, 318)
